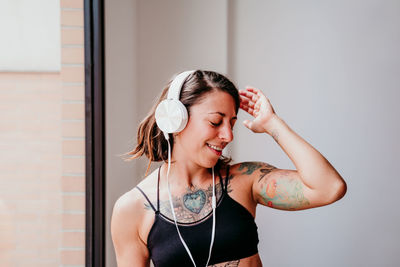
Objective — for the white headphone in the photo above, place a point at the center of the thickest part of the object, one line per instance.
(171, 117)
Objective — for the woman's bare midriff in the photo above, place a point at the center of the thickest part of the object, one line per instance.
(252, 261)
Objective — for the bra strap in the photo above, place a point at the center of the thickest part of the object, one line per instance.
(158, 189)
(148, 200)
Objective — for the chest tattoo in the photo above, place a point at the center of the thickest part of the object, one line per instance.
(195, 201)
(190, 206)
(193, 205)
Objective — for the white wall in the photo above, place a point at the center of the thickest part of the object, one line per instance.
(121, 103)
(331, 70)
(146, 43)
(175, 36)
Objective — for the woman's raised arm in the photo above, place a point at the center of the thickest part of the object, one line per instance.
(315, 179)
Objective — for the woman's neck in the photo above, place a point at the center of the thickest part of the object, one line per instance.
(186, 175)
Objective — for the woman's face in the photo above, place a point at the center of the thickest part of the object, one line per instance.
(208, 131)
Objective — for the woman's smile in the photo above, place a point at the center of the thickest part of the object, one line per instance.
(217, 150)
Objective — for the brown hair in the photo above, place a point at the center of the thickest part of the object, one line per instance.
(150, 139)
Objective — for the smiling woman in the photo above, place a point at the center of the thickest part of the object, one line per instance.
(209, 129)
(150, 140)
(197, 195)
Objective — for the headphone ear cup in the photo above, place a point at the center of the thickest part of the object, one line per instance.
(171, 116)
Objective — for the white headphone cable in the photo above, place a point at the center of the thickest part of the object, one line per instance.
(214, 204)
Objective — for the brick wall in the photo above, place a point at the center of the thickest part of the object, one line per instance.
(42, 157)
(72, 250)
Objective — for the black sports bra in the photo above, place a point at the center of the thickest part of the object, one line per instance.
(236, 235)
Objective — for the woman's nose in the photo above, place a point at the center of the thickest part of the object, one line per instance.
(226, 134)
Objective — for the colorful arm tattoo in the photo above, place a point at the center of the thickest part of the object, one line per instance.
(283, 193)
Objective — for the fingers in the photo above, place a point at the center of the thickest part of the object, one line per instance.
(254, 91)
(251, 100)
(252, 111)
(247, 109)
(251, 93)
(247, 102)
(248, 106)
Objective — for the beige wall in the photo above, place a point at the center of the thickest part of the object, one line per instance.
(42, 162)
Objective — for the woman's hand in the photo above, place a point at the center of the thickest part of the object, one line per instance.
(254, 102)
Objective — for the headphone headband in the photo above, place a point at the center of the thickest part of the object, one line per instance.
(176, 85)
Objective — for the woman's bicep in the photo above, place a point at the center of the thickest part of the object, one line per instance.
(285, 190)
(130, 250)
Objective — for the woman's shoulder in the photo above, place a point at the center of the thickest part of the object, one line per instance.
(126, 217)
(244, 174)
(127, 205)
(131, 203)
(249, 167)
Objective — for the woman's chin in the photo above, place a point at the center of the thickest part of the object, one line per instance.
(210, 163)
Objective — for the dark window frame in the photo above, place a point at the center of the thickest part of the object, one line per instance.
(94, 132)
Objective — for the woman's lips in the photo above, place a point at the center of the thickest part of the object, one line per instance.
(219, 153)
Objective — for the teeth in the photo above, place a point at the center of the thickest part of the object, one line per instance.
(215, 147)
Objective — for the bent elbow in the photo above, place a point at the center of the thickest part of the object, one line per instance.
(339, 190)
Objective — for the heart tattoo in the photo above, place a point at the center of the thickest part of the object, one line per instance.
(195, 201)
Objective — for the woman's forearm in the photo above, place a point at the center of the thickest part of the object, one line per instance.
(315, 171)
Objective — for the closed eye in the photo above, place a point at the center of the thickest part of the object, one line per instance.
(215, 124)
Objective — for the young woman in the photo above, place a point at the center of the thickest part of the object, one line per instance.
(147, 225)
